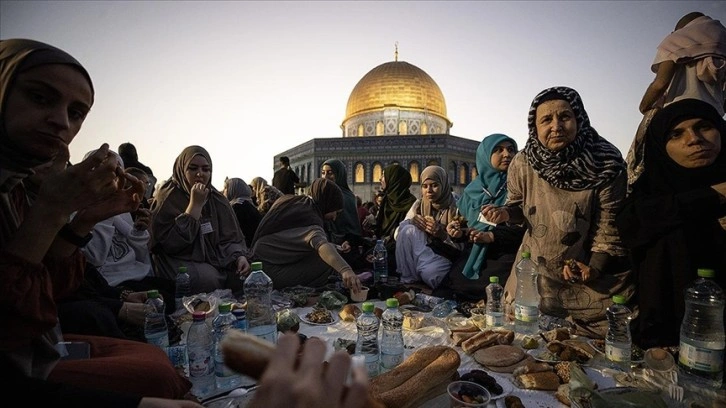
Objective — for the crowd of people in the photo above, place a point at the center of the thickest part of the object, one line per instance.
(80, 244)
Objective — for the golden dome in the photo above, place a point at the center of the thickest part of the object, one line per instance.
(396, 84)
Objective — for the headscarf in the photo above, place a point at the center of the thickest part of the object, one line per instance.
(489, 187)
(442, 206)
(588, 162)
(346, 223)
(396, 201)
(661, 173)
(237, 191)
(173, 198)
(258, 185)
(265, 194)
(293, 211)
(18, 56)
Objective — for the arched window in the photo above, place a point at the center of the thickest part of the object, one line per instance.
(415, 171)
(452, 173)
(462, 174)
(424, 128)
(361, 130)
(402, 128)
(360, 173)
(380, 128)
(377, 172)
(474, 173)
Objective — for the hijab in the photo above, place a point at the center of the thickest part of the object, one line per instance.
(396, 201)
(489, 187)
(18, 56)
(347, 222)
(294, 211)
(662, 174)
(237, 191)
(173, 198)
(587, 162)
(442, 206)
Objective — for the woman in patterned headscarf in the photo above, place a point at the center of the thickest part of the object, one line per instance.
(193, 225)
(264, 194)
(239, 194)
(426, 221)
(292, 244)
(567, 185)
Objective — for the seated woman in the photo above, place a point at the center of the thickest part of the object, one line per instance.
(425, 222)
(493, 249)
(670, 221)
(193, 225)
(239, 194)
(46, 89)
(345, 230)
(567, 184)
(264, 194)
(395, 201)
(292, 244)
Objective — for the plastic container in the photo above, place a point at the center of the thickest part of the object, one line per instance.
(618, 341)
(367, 325)
(200, 351)
(380, 262)
(156, 330)
(701, 351)
(260, 316)
(182, 287)
(494, 307)
(526, 301)
(225, 377)
(392, 335)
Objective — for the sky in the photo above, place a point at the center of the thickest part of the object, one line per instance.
(248, 80)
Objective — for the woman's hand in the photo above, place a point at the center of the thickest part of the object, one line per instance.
(136, 297)
(454, 229)
(197, 195)
(351, 281)
(243, 267)
(288, 382)
(494, 214)
(578, 272)
(143, 219)
(480, 237)
(429, 225)
(344, 248)
(133, 313)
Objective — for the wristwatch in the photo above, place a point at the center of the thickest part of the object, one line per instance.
(67, 233)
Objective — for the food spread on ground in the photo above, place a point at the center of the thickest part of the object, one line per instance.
(319, 316)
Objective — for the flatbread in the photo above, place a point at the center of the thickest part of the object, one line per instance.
(510, 369)
(500, 355)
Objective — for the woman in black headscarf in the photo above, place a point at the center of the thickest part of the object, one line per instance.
(292, 244)
(670, 221)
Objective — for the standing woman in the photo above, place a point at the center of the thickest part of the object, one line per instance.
(671, 219)
(567, 185)
(492, 250)
(193, 225)
(239, 194)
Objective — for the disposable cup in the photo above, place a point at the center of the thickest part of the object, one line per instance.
(361, 296)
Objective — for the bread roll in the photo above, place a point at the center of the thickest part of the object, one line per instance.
(349, 313)
(563, 394)
(411, 382)
(545, 380)
(487, 338)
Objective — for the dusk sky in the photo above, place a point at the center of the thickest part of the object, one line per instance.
(248, 80)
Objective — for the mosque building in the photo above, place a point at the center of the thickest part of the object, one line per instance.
(396, 113)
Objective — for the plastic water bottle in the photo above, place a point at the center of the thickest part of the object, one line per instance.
(494, 307)
(380, 262)
(367, 344)
(618, 342)
(200, 349)
(701, 353)
(260, 316)
(183, 287)
(241, 319)
(526, 301)
(392, 337)
(156, 330)
(225, 320)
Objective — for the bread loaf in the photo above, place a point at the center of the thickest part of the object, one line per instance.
(349, 313)
(410, 383)
(532, 367)
(563, 394)
(487, 338)
(545, 380)
(459, 337)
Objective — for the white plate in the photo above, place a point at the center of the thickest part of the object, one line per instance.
(304, 319)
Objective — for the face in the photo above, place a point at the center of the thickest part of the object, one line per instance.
(694, 143)
(430, 189)
(198, 171)
(383, 182)
(45, 109)
(379, 200)
(556, 124)
(502, 155)
(327, 172)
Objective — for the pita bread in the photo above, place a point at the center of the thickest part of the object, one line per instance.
(500, 355)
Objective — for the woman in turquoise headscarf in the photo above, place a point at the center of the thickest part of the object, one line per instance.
(493, 248)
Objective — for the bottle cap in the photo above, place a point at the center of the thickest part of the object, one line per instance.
(182, 269)
(706, 273)
(392, 303)
(494, 279)
(619, 299)
(526, 254)
(153, 293)
(199, 315)
(368, 307)
(224, 307)
(379, 241)
(256, 266)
